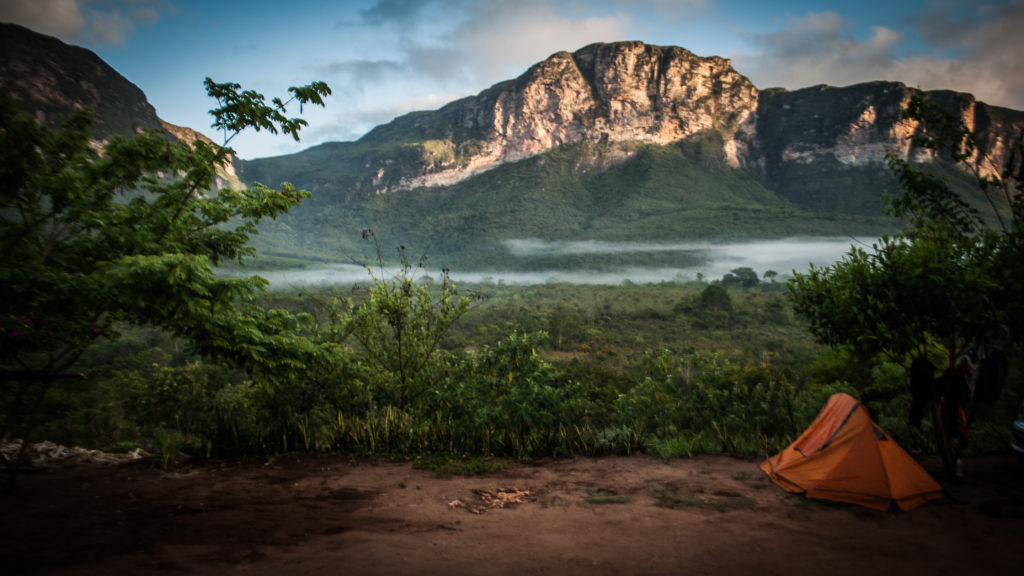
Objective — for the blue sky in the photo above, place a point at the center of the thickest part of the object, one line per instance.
(384, 58)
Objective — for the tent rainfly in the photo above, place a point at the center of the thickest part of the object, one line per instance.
(845, 457)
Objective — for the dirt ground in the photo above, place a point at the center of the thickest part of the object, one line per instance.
(624, 515)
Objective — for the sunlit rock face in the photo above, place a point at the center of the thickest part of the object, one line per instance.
(603, 93)
(227, 176)
(618, 92)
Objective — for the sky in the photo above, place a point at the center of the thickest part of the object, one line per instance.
(385, 58)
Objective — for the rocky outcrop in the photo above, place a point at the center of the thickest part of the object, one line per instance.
(630, 92)
(856, 126)
(227, 176)
(49, 79)
(616, 92)
(603, 93)
(824, 148)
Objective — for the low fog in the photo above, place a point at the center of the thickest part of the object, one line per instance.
(716, 260)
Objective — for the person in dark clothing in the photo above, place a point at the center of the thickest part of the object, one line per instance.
(922, 388)
(991, 378)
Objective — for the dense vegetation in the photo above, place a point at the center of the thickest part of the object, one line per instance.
(945, 290)
(673, 369)
(93, 240)
(109, 272)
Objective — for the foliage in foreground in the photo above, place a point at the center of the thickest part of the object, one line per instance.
(504, 400)
(948, 285)
(516, 397)
(91, 241)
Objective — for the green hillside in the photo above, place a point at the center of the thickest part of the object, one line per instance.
(659, 194)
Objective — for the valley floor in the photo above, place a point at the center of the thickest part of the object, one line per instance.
(622, 515)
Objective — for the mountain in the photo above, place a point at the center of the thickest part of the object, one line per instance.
(622, 141)
(49, 79)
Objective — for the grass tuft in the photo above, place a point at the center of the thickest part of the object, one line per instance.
(445, 466)
(721, 502)
(603, 496)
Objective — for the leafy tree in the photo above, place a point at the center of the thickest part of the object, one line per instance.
(565, 324)
(91, 239)
(744, 276)
(398, 329)
(714, 298)
(950, 280)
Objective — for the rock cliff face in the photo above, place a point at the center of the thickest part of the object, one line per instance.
(616, 92)
(855, 125)
(809, 143)
(51, 78)
(603, 93)
(227, 176)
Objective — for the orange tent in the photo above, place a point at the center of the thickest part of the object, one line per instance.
(845, 457)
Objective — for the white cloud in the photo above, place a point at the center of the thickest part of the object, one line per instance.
(483, 41)
(988, 48)
(818, 49)
(978, 53)
(502, 39)
(111, 27)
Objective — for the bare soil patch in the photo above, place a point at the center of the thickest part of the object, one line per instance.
(623, 515)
